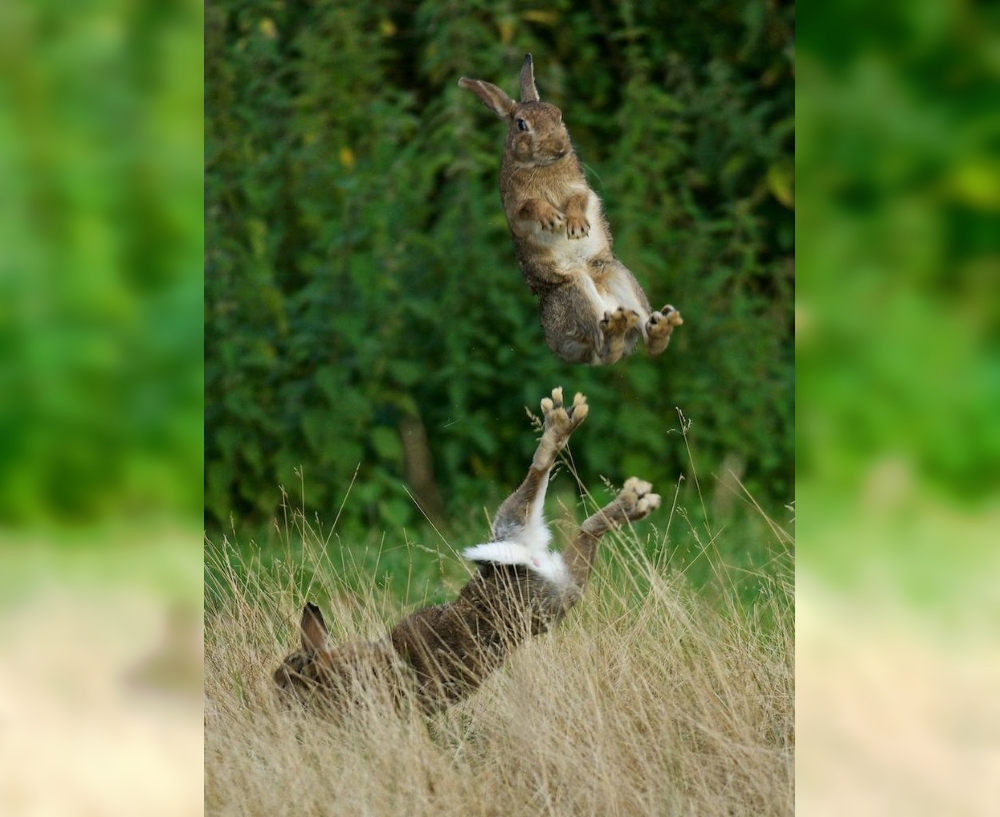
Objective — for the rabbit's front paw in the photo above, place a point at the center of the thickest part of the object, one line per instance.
(577, 227)
(548, 216)
(637, 499)
(552, 220)
(542, 213)
(560, 419)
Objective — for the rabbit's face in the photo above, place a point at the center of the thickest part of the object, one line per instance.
(297, 671)
(306, 667)
(537, 135)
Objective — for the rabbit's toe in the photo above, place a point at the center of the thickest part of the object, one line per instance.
(577, 227)
(549, 218)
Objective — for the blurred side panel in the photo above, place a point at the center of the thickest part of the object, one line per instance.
(101, 244)
(898, 395)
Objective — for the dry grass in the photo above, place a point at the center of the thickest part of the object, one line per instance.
(646, 700)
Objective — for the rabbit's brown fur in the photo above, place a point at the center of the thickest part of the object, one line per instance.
(592, 309)
(443, 653)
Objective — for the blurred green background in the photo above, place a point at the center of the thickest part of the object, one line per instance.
(100, 266)
(365, 318)
(898, 310)
(101, 404)
(898, 407)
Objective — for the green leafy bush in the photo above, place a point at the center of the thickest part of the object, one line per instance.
(362, 295)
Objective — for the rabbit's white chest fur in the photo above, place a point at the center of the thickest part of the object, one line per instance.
(546, 563)
(528, 546)
(569, 254)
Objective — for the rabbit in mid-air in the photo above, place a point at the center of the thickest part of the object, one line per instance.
(592, 308)
(443, 653)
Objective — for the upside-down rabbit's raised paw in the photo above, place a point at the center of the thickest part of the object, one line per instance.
(637, 499)
(560, 418)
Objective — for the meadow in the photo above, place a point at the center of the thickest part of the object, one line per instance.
(667, 691)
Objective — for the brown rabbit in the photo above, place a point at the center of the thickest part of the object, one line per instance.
(592, 308)
(442, 654)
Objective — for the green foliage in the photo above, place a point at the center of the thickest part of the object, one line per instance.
(900, 392)
(360, 277)
(100, 258)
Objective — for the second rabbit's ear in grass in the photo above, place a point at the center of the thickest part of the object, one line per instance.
(314, 632)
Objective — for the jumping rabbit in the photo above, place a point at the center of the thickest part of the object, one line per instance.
(442, 654)
(592, 308)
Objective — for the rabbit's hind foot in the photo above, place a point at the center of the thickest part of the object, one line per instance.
(659, 328)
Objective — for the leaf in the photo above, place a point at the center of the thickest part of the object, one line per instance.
(780, 181)
(386, 443)
(406, 372)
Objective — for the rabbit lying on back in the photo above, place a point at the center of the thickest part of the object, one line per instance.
(592, 308)
(439, 655)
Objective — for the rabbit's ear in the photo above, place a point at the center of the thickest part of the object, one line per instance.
(493, 98)
(529, 93)
(313, 627)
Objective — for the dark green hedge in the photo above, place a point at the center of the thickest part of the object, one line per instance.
(361, 288)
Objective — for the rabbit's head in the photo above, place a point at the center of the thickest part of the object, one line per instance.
(536, 135)
(306, 667)
(337, 677)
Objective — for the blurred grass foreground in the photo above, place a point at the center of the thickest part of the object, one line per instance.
(100, 407)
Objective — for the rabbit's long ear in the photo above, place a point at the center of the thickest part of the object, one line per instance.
(529, 93)
(493, 98)
(313, 628)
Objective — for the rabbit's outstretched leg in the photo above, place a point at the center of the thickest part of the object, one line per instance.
(659, 327)
(520, 515)
(635, 502)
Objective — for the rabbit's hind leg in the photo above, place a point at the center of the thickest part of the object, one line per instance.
(624, 308)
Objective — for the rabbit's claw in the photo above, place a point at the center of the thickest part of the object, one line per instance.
(577, 227)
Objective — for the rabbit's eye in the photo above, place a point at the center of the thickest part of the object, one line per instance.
(521, 124)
